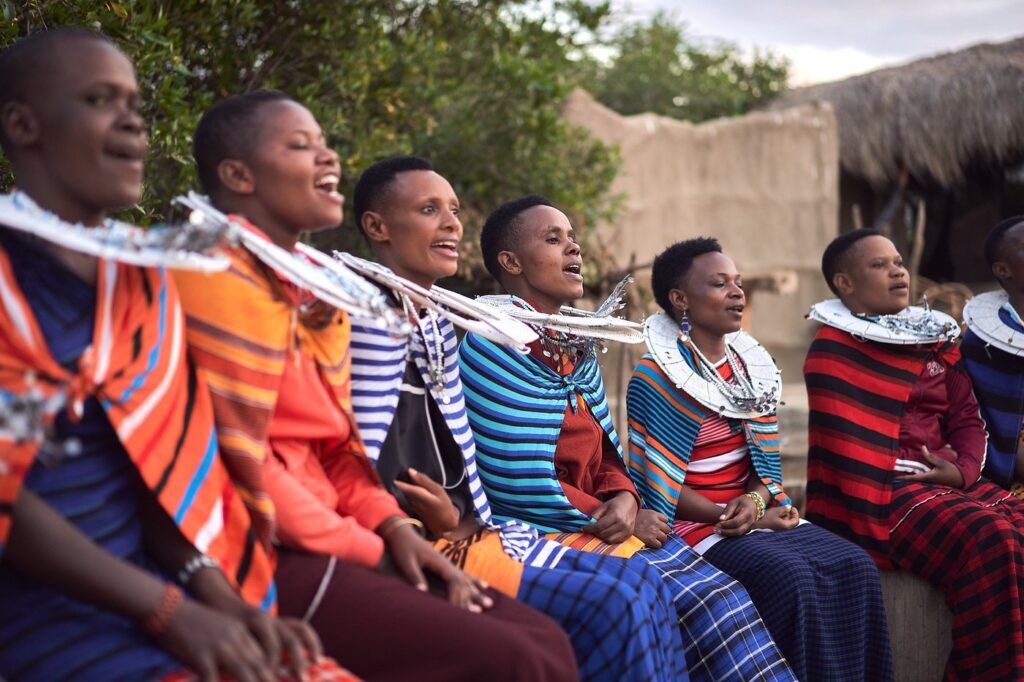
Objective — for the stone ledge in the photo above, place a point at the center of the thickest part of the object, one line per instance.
(920, 626)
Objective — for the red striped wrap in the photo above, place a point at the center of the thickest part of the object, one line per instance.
(857, 391)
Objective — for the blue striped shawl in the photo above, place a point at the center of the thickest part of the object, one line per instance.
(378, 365)
(516, 405)
(998, 379)
(663, 426)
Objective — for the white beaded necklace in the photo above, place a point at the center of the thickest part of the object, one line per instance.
(435, 360)
(758, 383)
(740, 392)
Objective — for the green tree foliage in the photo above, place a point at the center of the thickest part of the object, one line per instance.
(658, 68)
(475, 85)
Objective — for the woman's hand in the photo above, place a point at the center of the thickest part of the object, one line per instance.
(779, 518)
(274, 635)
(208, 641)
(410, 555)
(278, 635)
(651, 527)
(943, 471)
(738, 517)
(614, 520)
(430, 503)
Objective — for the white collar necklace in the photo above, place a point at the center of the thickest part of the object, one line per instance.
(759, 382)
(990, 316)
(579, 327)
(182, 247)
(915, 325)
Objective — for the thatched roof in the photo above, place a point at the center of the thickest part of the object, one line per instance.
(936, 116)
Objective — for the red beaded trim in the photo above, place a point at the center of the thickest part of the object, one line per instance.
(158, 621)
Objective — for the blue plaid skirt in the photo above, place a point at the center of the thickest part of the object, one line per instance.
(723, 635)
(820, 597)
(618, 616)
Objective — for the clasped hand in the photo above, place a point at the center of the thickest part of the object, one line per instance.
(614, 519)
(943, 471)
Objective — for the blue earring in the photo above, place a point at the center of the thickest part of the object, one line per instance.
(684, 328)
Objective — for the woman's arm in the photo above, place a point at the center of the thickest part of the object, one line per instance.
(965, 429)
(53, 552)
(692, 506)
(170, 548)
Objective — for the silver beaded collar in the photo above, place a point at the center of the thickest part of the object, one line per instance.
(184, 246)
(915, 325)
(757, 387)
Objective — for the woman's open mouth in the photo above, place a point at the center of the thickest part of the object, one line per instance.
(328, 186)
(447, 248)
(574, 271)
(736, 310)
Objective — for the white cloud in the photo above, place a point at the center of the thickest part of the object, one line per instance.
(828, 40)
(814, 64)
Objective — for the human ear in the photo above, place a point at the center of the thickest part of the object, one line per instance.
(677, 297)
(235, 176)
(1002, 271)
(374, 226)
(509, 262)
(843, 282)
(19, 124)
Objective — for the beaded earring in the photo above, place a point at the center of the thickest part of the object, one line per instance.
(684, 328)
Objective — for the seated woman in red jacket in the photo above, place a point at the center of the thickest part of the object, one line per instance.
(896, 449)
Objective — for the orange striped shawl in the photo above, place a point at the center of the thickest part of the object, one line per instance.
(138, 368)
(243, 325)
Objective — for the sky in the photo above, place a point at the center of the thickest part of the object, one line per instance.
(831, 39)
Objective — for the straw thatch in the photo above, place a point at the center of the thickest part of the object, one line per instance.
(937, 117)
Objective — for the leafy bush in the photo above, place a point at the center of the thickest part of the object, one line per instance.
(477, 86)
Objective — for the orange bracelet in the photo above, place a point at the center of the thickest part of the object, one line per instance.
(158, 621)
(404, 521)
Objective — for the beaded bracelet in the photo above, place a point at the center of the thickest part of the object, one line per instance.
(193, 566)
(759, 504)
(157, 622)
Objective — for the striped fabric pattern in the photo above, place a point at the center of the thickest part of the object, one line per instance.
(240, 339)
(967, 542)
(378, 364)
(138, 369)
(857, 391)
(516, 405)
(998, 379)
(664, 424)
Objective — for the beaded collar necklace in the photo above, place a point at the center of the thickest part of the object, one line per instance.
(913, 326)
(756, 387)
(993, 319)
(184, 246)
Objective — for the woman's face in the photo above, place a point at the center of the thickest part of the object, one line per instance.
(872, 279)
(547, 259)
(420, 228)
(295, 174)
(712, 295)
(90, 132)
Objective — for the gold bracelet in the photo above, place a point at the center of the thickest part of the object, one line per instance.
(406, 521)
(759, 503)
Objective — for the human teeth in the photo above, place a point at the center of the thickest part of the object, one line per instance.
(327, 180)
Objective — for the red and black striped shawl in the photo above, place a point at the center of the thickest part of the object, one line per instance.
(857, 391)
